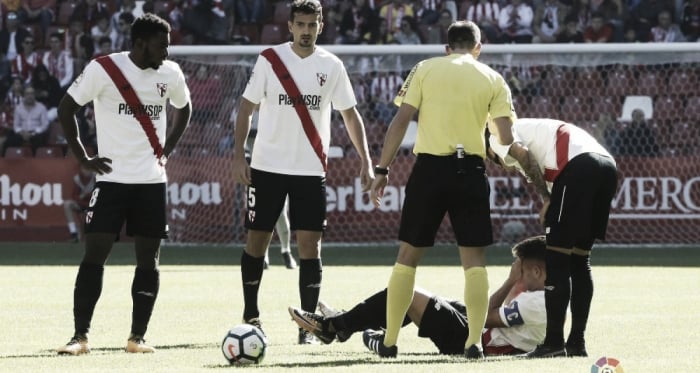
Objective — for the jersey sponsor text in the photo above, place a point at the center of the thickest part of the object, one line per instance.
(153, 111)
(312, 101)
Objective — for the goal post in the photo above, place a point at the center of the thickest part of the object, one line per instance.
(595, 86)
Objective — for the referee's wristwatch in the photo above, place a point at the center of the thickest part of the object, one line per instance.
(381, 170)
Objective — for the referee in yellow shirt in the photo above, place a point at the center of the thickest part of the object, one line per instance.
(454, 95)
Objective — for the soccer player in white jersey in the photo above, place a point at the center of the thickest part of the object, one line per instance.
(130, 167)
(288, 159)
(577, 179)
(515, 320)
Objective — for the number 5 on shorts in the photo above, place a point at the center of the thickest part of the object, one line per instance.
(251, 197)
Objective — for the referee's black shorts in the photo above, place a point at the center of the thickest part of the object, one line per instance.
(267, 193)
(580, 202)
(434, 188)
(140, 206)
(445, 324)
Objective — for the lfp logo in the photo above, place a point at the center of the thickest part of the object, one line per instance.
(607, 365)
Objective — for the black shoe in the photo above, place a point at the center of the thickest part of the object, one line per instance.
(474, 352)
(306, 338)
(313, 323)
(544, 351)
(329, 312)
(374, 340)
(576, 349)
(256, 323)
(74, 238)
(289, 261)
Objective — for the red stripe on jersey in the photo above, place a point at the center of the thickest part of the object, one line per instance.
(302, 111)
(562, 153)
(132, 99)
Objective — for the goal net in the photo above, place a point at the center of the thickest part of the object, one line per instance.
(597, 87)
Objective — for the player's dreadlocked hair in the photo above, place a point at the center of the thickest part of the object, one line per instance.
(305, 7)
(530, 248)
(147, 26)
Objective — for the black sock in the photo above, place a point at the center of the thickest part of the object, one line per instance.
(144, 291)
(556, 296)
(88, 287)
(368, 314)
(251, 275)
(310, 274)
(581, 295)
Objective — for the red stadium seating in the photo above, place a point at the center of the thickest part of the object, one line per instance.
(668, 108)
(683, 82)
(606, 104)
(619, 82)
(544, 107)
(49, 152)
(589, 83)
(650, 83)
(575, 109)
(692, 109)
(272, 34)
(558, 84)
(18, 152)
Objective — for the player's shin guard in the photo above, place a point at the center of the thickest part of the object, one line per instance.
(556, 295)
(399, 297)
(581, 295)
(476, 299)
(251, 275)
(310, 275)
(88, 287)
(144, 291)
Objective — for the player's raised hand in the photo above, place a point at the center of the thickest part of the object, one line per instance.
(377, 191)
(241, 171)
(516, 270)
(99, 165)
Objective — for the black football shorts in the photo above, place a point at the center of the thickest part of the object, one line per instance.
(445, 324)
(266, 195)
(140, 206)
(580, 202)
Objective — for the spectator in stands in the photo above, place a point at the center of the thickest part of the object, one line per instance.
(629, 34)
(47, 90)
(104, 47)
(515, 22)
(408, 34)
(392, 12)
(121, 36)
(127, 7)
(599, 30)
(80, 43)
(379, 34)
(638, 138)
(42, 11)
(5, 76)
(357, 20)
(612, 11)
(11, 37)
(206, 93)
(249, 11)
(485, 13)
(14, 97)
(645, 15)
(102, 28)
(548, 21)
(89, 11)
(31, 124)
(383, 89)
(666, 31)
(690, 22)
(83, 183)
(24, 63)
(58, 61)
(570, 33)
(426, 12)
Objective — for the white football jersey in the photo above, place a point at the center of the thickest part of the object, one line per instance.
(553, 143)
(526, 318)
(281, 145)
(120, 136)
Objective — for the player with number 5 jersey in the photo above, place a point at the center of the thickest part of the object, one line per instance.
(129, 91)
(296, 85)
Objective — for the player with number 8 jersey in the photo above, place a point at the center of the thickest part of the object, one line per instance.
(129, 91)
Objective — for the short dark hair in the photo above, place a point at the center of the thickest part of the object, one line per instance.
(463, 34)
(147, 26)
(305, 7)
(531, 248)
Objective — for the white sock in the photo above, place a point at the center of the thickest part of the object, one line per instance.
(285, 250)
(72, 228)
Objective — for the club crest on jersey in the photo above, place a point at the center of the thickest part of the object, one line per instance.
(321, 77)
(251, 216)
(88, 217)
(162, 87)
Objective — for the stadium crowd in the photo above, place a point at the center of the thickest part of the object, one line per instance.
(44, 44)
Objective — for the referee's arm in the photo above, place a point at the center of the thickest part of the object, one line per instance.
(395, 134)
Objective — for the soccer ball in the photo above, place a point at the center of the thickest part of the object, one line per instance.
(607, 365)
(244, 344)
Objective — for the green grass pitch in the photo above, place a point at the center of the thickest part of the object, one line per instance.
(644, 311)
